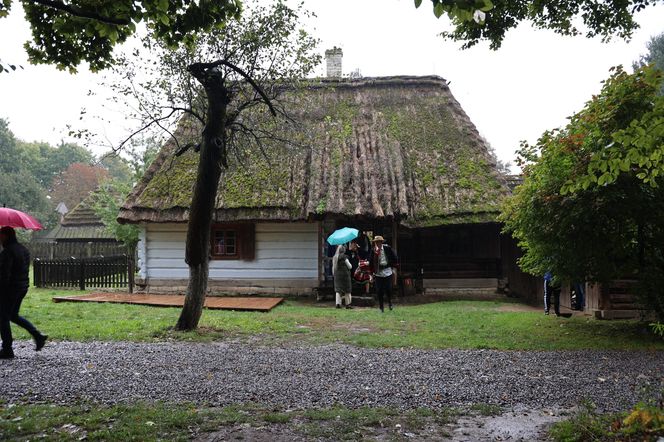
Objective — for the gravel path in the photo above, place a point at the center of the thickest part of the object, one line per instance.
(302, 377)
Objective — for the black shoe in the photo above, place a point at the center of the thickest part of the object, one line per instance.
(349, 306)
(40, 341)
(546, 312)
(391, 308)
(6, 354)
(338, 305)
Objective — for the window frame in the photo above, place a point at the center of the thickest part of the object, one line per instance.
(244, 234)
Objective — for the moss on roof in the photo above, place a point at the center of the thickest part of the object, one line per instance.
(387, 147)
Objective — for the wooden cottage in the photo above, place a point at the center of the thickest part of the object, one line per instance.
(396, 156)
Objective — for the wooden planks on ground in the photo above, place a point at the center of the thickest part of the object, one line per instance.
(211, 302)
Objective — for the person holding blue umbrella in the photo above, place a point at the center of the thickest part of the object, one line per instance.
(342, 236)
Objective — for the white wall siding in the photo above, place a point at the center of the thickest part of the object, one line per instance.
(283, 251)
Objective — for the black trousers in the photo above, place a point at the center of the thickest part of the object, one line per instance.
(383, 288)
(551, 292)
(10, 304)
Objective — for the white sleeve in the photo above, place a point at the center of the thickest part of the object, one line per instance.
(348, 264)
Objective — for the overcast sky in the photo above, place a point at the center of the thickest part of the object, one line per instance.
(531, 84)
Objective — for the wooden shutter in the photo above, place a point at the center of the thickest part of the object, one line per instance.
(247, 234)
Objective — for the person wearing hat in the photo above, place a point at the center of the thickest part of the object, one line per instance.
(383, 260)
(14, 282)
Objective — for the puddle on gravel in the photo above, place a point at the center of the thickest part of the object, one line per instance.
(515, 425)
(523, 425)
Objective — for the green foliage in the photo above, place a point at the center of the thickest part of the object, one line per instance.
(67, 34)
(108, 198)
(603, 19)
(118, 168)
(658, 329)
(18, 187)
(46, 162)
(21, 191)
(459, 10)
(590, 207)
(655, 56)
(644, 423)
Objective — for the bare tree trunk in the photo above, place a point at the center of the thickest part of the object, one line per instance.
(212, 156)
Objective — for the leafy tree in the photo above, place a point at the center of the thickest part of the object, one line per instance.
(111, 194)
(118, 168)
(45, 161)
(495, 17)
(9, 154)
(215, 89)
(67, 33)
(591, 206)
(108, 198)
(655, 56)
(76, 183)
(21, 191)
(18, 188)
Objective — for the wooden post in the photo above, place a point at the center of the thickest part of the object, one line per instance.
(36, 270)
(131, 273)
(82, 275)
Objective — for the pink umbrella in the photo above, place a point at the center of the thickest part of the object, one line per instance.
(16, 218)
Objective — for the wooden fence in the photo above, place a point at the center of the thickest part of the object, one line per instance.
(51, 250)
(97, 272)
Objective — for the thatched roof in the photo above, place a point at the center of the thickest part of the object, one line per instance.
(397, 147)
(81, 223)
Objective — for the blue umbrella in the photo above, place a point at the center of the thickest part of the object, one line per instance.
(342, 236)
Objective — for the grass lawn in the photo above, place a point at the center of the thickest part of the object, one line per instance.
(448, 324)
(162, 421)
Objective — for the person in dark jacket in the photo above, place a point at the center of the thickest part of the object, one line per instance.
(14, 282)
(551, 290)
(383, 262)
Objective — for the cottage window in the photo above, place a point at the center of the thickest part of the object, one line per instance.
(225, 243)
(232, 241)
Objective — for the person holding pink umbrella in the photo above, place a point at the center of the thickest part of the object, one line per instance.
(14, 282)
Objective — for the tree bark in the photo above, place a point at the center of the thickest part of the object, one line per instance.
(212, 157)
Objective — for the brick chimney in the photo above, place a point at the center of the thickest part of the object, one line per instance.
(333, 60)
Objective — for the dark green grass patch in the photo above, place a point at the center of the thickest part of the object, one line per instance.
(144, 421)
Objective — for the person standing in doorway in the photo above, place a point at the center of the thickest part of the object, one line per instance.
(551, 290)
(383, 261)
(342, 283)
(14, 282)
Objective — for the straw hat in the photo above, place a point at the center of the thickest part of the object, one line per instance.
(378, 238)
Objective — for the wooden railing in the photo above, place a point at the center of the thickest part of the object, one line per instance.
(97, 272)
